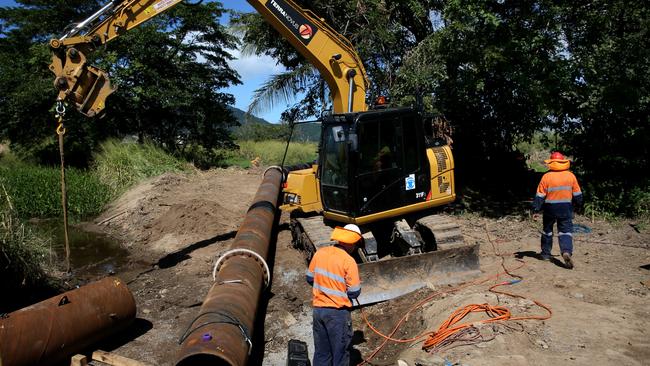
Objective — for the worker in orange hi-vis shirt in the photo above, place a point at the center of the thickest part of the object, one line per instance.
(334, 275)
(557, 193)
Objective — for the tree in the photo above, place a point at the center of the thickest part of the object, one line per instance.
(503, 70)
(609, 102)
(169, 73)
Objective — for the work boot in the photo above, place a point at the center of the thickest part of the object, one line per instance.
(568, 262)
(544, 257)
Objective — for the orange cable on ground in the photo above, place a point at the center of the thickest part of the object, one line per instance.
(450, 327)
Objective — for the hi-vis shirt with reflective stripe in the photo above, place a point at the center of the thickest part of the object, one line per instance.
(335, 278)
(558, 187)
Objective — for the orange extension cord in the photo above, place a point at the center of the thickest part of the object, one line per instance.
(451, 327)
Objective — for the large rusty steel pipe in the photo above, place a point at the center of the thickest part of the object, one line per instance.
(221, 334)
(49, 331)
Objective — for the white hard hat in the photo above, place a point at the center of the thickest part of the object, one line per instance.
(352, 227)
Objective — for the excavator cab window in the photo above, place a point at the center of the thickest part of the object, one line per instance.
(373, 161)
(392, 167)
(334, 168)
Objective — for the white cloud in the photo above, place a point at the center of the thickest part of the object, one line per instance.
(253, 67)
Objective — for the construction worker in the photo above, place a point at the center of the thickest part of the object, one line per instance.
(334, 276)
(556, 193)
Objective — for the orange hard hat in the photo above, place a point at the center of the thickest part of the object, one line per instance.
(348, 235)
(556, 155)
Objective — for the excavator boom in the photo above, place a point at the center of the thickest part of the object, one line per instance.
(87, 87)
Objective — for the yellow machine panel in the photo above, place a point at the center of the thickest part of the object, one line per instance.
(302, 191)
(441, 163)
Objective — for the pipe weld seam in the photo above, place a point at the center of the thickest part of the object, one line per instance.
(221, 318)
(263, 204)
(279, 168)
(255, 255)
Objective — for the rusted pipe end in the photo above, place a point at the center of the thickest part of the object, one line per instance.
(54, 329)
(276, 168)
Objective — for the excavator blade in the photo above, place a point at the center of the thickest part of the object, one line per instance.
(390, 278)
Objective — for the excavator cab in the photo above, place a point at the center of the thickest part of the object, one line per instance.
(372, 162)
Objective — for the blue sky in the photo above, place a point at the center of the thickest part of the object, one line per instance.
(253, 71)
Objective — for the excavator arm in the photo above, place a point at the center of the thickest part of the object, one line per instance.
(330, 52)
(84, 85)
(87, 87)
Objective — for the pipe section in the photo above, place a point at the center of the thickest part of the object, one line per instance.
(221, 334)
(50, 331)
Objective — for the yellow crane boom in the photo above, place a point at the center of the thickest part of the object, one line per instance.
(87, 87)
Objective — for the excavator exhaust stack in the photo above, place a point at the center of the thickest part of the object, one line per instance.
(433, 254)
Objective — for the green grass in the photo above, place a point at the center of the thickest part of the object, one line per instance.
(121, 165)
(36, 190)
(270, 152)
(233, 158)
(22, 261)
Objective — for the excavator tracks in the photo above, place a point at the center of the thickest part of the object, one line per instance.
(439, 232)
(310, 234)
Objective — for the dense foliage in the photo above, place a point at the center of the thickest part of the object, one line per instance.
(500, 71)
(35, 190)
(122, 165)
(169, 74)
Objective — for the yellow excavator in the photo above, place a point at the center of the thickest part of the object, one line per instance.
(377, 168)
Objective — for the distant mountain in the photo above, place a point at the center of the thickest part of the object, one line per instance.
(304, 132)
(245, 119)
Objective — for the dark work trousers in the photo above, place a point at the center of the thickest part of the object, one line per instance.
(564, 218)
(332, 336)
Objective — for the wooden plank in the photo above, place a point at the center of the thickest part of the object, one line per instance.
(116, 360)
(78, 360)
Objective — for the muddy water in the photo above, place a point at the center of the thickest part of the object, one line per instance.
(91, 254)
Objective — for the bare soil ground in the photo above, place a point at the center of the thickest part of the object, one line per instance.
(176, 225)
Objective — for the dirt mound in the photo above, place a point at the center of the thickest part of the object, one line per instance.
(135, 210)
(175, 210)
(187, 223)
(192, 217)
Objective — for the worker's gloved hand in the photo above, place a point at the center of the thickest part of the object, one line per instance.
(536, 216)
